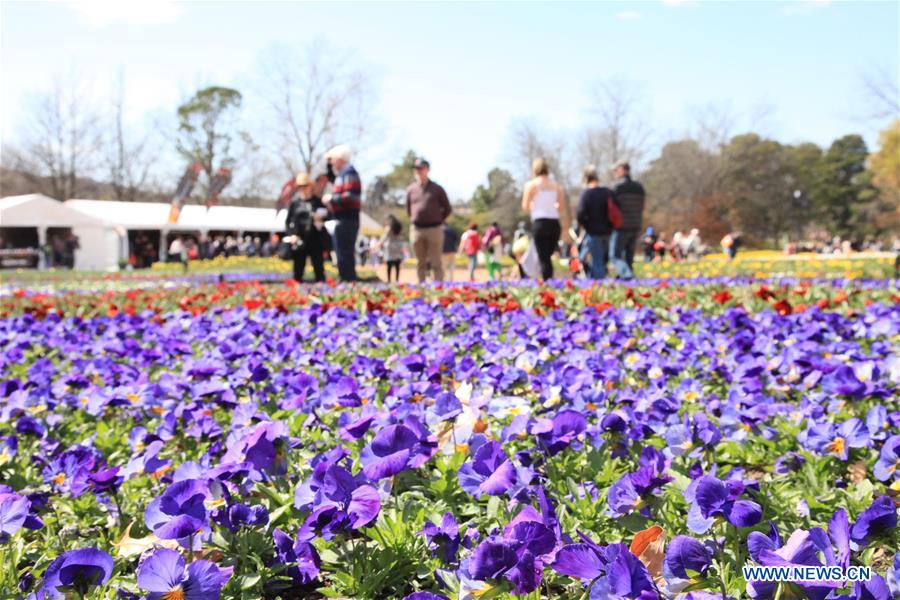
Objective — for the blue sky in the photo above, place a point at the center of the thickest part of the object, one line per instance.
(453, 76)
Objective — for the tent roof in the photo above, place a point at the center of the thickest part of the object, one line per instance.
(194, 217)
(37, 210)
(155, 215)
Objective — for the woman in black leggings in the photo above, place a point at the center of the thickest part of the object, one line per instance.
(545, 201)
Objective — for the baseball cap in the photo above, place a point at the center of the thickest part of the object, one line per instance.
(421, 162)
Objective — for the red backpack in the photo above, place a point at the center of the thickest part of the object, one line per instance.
(613, 212)
(472, 243)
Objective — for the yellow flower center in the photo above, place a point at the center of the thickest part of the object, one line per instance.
(133, 398)
(836, 446)
(59, 479)
(175, 594)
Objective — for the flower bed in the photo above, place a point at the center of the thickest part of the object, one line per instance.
(245, 440)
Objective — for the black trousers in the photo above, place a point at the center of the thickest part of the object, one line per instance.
(546, 241)
(393, 265)
(314, 253)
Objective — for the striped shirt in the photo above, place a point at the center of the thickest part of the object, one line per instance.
(346, 194)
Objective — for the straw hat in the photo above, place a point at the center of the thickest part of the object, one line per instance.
(302, 180)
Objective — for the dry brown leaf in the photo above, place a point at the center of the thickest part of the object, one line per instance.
(857, 471)
(649, 546)
(129, 546)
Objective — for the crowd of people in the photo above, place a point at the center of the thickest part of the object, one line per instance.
(604, 232)
(600, 238)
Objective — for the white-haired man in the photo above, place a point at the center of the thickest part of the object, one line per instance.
(345, 204)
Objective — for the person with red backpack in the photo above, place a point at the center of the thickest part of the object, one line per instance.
(599, 215)
(470, 244)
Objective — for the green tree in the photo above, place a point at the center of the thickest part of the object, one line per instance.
(501, 199)
(845, 197)
(206, 127)
(758, 185)
(387, 192)
(885, 167)
(679, 181)
(803, 161)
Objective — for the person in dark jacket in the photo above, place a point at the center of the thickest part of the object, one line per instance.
(345, 204)
(630, 198)
(305, 230)
(428, 208)
(593, 217)
(649, 241)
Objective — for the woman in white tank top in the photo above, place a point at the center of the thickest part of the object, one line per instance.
(545, 201)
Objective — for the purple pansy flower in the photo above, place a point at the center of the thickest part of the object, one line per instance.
(563, 430)
(686, 558)
(395, 449)
(14, 509)
(77, 570)
(425, 596)
(164, 575)
(69, 473)
(341, 501)
(616, 573)
(488, 472)
(828, 438)
(443, 540)
(880, 516)
(239, 514)
(888, 465)
(180, 512)
(711, 498)
(300, 557)
(517, 557)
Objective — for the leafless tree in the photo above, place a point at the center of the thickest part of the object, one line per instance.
(618, 128)
(528, 141)
(128, 162)
(62, 136)
(881, 94)
(319, 97)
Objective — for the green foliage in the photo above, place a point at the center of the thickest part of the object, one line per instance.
(500, 199)
(844, 186)
(204, 126)
(387, 193)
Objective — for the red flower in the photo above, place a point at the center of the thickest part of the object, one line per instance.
(783, 307)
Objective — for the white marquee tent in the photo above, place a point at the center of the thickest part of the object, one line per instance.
(100, 240)
(154, 216)
(102, 225)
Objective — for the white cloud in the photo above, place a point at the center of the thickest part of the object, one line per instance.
(100, 13)
(803, 7)
(629, 15)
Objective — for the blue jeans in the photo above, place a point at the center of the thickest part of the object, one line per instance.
(598, 247)
(345, 232)
(621, 249)
(473, 262)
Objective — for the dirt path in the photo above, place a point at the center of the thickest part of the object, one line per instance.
(460, 274)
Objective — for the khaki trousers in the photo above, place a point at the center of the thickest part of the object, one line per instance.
(428, 243)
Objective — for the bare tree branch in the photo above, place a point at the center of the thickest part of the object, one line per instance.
(318, 98)
(881, 93)
(62, 136)
(618, 127)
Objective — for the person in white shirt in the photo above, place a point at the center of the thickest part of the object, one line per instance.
(545, 201)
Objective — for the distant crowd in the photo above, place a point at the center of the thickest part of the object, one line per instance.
(599, 240)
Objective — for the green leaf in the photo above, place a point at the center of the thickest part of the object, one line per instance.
(249, 581)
